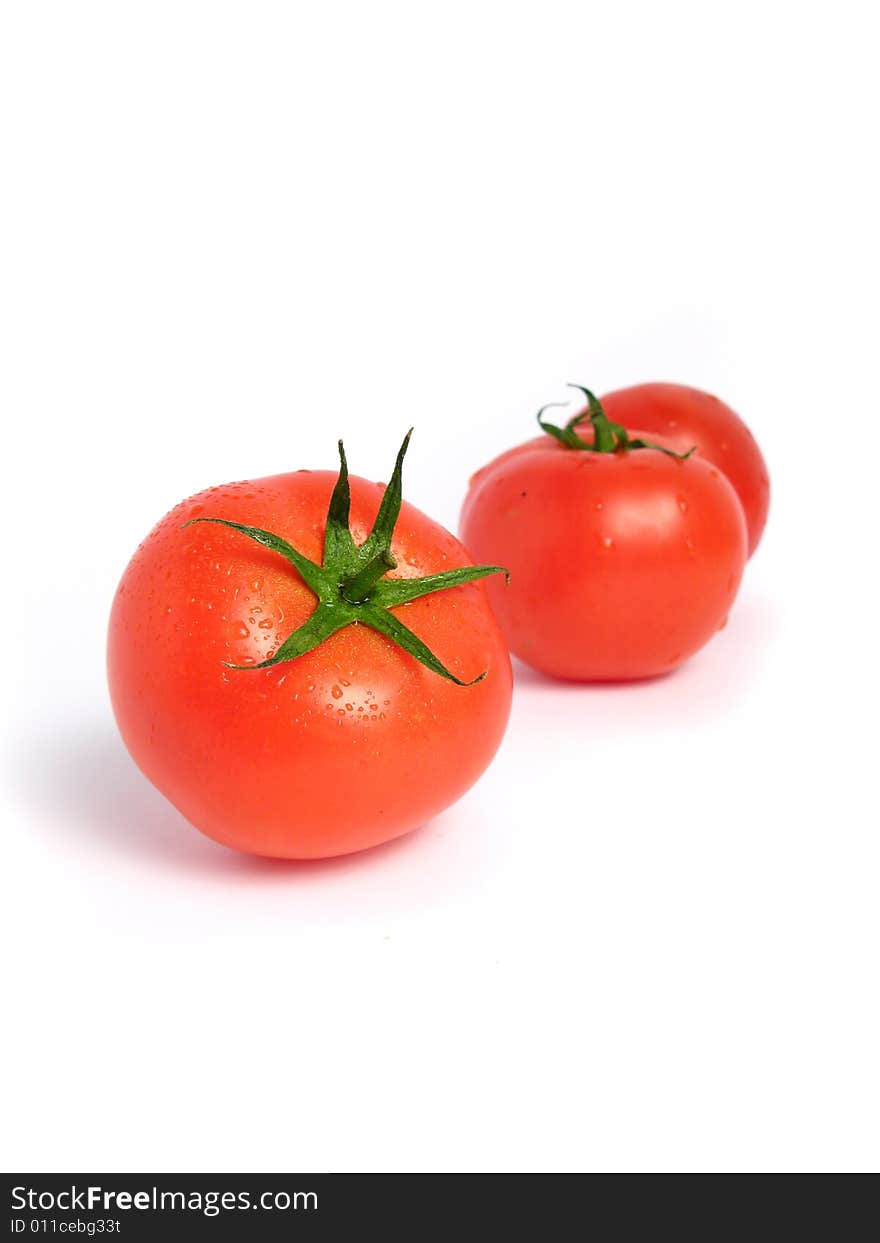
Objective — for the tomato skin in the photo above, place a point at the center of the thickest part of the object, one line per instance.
(686, 417)
(622, 565)
(347, 746)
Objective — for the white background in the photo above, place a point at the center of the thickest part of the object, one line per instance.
(647, 939)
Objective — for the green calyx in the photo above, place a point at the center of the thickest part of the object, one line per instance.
(608, 437)
(350, 584)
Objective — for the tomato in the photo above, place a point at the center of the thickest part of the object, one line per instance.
(687, 416)
(624, 558)
(303, 721)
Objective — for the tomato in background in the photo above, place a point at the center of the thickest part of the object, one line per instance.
(624, 557)
(685, 417)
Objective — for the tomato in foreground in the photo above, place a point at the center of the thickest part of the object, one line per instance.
(306, 666)
(624, 556)
(685, 416)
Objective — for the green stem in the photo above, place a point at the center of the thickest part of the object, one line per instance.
(350, 585)
(608, 437)
(356, 589)
(604, 438)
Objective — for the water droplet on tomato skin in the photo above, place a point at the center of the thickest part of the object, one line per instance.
(682, 504)
(336, 692)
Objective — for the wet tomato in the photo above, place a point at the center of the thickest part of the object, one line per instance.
(624, 556)
(306, 666)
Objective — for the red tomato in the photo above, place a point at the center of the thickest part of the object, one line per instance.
(622, 562)
(688, 416)
(349, 744)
